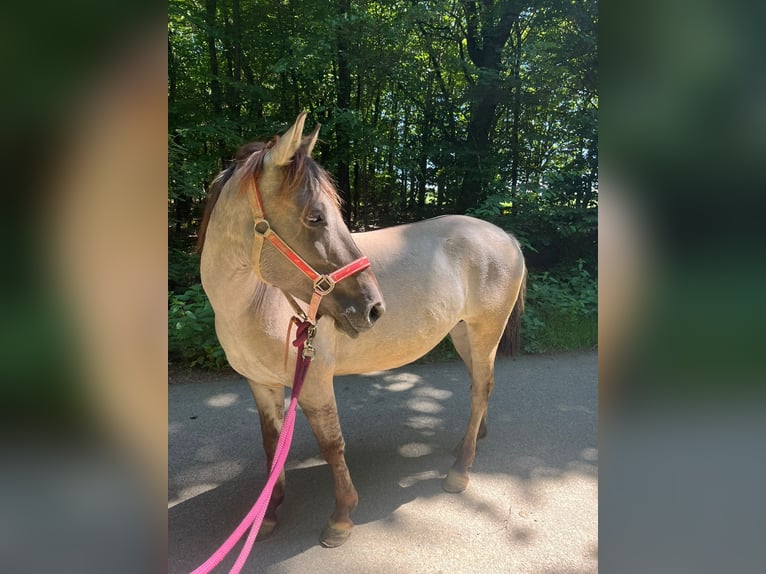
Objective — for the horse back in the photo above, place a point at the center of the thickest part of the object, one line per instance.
(454, 248)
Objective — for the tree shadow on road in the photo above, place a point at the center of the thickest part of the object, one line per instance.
(401, 428)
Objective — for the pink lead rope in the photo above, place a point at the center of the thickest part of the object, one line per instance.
(254, 518)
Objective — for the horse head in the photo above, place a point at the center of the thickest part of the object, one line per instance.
(301, 204)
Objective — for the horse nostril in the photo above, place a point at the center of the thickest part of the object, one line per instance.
(375, 312)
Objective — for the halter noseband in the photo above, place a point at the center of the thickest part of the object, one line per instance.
(323, 284)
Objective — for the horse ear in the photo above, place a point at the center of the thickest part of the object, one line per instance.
(310, 141)
(284, 150)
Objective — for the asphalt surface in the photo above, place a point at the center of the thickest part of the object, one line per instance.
(531, 505)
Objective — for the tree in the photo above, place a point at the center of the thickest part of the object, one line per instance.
(427, 106)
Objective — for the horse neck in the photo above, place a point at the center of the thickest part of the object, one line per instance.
(227, 254)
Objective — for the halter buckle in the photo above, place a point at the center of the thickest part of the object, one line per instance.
(323, 285)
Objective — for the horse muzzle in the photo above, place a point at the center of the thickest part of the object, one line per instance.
(353, 320)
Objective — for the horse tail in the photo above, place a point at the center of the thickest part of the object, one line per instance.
(510, 342)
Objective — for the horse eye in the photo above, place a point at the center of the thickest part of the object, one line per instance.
(314, 218)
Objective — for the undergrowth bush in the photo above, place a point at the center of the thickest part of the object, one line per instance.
(192, 341)
(183, 270)
(561, 311)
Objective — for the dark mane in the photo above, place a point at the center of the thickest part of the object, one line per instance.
(212, 197)
(302, 170)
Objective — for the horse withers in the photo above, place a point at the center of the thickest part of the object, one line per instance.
(450, 275)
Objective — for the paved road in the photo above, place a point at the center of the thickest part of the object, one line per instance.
(531, 506)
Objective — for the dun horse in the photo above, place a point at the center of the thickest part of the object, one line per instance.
(451, 274)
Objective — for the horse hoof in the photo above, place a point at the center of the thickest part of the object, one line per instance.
(267, 527)
(334, 535)
(455, 481)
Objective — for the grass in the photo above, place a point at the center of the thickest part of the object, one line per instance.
(444, 351)
(564, 332)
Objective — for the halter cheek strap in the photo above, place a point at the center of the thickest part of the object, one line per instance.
(323, 284)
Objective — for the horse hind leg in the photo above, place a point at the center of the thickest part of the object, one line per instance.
(477, 344)
(459, 336)
(271, 411)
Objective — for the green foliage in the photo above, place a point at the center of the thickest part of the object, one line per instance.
(412, 114)
(191, 331)
(553, 230)
(444, 351)
(183, 270)
(561, 311)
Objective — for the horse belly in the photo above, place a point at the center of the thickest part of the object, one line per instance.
(407, 331)
(385, 352)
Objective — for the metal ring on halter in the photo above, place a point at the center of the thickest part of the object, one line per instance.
(265, 227)
(323, 285)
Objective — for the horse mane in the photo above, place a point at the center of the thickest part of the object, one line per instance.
(302, 168)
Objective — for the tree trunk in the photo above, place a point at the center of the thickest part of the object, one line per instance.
(172, 72)
(440, 187)
(476, 173)
(516, 109)
(215, 85)
(488, 27)
(236, 106)
(425, 145)
(342, 136)
(356, 195)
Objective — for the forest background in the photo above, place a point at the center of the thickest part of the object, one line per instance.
(482, 107)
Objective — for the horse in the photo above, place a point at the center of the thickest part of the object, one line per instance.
(451, 275)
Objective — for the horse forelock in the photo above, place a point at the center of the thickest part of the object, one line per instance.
(304, 172)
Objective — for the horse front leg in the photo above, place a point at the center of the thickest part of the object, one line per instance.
(270, 401)
(322, 414)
